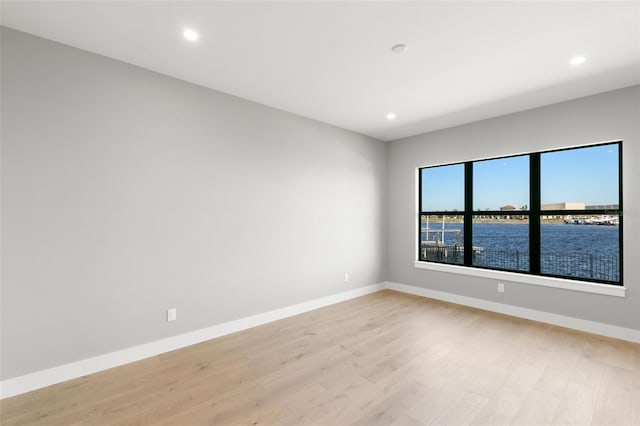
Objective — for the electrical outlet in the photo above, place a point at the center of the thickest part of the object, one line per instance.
(346, 277)
(500, 287)
(172, 314)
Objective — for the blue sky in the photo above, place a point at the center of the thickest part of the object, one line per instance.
(500, 182)
(443, 188)
(588, 175)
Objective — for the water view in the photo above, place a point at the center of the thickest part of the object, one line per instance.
(575, 250)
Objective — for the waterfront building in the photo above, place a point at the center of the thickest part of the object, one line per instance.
(563, 206)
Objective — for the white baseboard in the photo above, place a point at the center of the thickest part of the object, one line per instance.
(51, 376)
(608, 330)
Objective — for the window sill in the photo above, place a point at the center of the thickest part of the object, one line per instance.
(584, 286)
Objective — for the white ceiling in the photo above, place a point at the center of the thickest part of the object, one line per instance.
(331, 61)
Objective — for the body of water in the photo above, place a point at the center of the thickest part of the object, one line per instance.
(585, 251)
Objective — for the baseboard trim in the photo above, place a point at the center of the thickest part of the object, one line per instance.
(51, 376)
(608, 330)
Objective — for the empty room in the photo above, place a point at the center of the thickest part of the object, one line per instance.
(320, 213)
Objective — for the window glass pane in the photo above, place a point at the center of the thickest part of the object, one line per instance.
(501, 184)
(443, 188)
(442, 238)
(501, 242)
(581, 246)
(581, 178)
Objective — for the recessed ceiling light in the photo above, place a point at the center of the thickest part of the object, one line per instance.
(391, 116)
(577, 60)
(399, 48)
(190, 35)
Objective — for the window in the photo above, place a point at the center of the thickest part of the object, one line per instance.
(555, 213)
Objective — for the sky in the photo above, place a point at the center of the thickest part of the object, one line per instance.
(585, 175)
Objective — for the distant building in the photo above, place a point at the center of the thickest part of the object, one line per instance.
(603, 207)
(563, 206)
(508, 208)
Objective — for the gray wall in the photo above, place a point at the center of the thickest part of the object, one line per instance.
(609, 116)
(125, 192)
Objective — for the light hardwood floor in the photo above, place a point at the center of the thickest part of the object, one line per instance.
(383, 359)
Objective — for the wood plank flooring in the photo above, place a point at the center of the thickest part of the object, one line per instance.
(383, 359)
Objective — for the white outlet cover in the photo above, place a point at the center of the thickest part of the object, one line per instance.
(172, 314)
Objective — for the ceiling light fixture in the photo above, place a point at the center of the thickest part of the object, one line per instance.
(577, 60)
(391, 116)
(190, 35)
(399, 48)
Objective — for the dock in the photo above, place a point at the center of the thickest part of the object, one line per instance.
(439, 246)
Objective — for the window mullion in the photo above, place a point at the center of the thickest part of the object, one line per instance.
(534, 213)
(468, 217)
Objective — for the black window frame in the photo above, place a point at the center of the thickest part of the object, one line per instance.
(534, 214)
